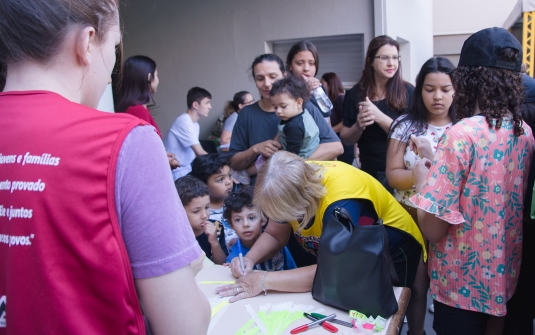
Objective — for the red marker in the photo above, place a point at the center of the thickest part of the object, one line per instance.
(324, 324)
(312, 324)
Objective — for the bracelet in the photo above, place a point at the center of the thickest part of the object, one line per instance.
(263, 287)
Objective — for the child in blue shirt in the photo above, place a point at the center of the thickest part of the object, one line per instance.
(246, 220)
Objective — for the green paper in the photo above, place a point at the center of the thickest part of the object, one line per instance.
(276, 320)
(289, 320)
(243, 329)
(252, 331)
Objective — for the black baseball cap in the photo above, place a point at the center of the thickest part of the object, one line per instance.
(481, 49)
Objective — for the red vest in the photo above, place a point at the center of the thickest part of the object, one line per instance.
(64, 268)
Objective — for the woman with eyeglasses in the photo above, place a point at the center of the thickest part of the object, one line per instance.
(380, 97)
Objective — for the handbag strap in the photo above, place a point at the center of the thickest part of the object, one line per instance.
(393, 273)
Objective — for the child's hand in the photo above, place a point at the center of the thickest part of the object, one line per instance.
(422, 147)
(211, 231)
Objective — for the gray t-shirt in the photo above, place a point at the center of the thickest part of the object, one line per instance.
(254, 125)
(230, 121)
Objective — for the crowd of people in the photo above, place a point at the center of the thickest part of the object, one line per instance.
(445, 164)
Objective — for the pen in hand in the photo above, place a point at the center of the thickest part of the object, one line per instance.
(241, 257)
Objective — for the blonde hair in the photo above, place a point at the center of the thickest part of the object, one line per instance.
(287, 188)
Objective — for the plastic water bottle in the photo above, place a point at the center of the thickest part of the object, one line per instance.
(322, 99)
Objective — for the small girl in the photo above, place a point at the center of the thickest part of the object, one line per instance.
(298, 132)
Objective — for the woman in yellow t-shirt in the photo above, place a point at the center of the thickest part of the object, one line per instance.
(287, 189)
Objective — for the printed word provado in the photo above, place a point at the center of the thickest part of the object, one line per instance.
(35, 186)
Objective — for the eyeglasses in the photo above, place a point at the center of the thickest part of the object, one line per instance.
(248, 102)
(385, 58)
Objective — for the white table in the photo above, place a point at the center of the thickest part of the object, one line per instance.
(235, 315)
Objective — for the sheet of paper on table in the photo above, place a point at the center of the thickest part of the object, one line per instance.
(232, 317)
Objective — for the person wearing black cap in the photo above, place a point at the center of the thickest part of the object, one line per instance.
(520, 308)
(470, 202)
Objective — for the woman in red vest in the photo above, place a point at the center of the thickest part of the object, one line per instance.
(91, 228)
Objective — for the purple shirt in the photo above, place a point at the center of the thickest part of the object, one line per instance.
(155, 228)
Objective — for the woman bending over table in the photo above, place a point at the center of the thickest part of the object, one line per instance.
(299, 197)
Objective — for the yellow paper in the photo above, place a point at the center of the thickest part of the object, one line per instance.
(218, 307)
(222, 282)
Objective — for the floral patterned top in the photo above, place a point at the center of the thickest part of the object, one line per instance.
(402, 134)
(477, 184)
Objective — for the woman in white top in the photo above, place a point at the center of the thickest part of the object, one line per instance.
(430, 115)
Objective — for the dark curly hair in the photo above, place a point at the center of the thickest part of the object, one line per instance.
(189, 187)
(293, 86)
(205, 166)
(497, 91)
(235, 203)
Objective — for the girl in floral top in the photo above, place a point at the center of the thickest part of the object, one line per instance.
(470, 200)
(430, 115)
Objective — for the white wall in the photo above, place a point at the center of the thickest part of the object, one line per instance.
(106, 101)
(455, 20)
(410, 22)
(469, 16)
(211, 43)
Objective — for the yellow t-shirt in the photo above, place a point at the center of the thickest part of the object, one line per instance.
(343, 181)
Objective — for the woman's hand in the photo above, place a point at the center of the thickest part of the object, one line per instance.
(312, 82)
(247, 286)
(421, 147)
(365, 118)
(235, 266)
(419, 173)
(370, 114)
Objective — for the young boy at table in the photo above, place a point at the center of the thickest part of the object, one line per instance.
(195, 198)
(246, 220)
(214, 171)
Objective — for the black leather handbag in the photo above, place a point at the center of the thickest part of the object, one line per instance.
(355, 269)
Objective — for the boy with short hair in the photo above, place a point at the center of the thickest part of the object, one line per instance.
(214, 171)
(182, 139)
(246, 220)
(195, 198)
